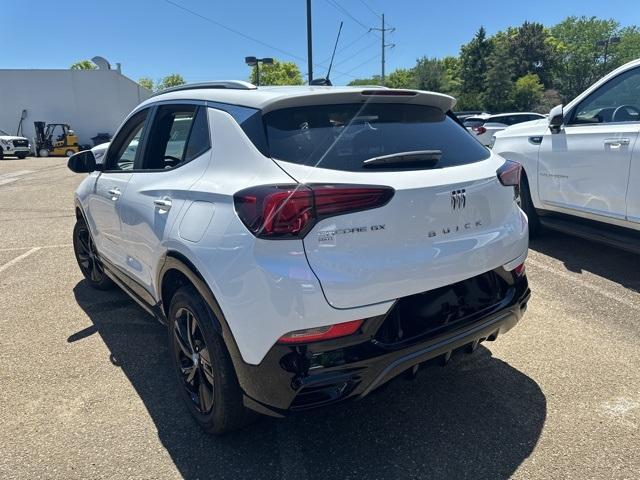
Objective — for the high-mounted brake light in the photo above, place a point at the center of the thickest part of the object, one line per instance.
(509, 173)
(479, 130)
(321, 333)
(285, 211)
(383, 92)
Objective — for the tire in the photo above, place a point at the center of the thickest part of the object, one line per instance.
(69, 152)
(21, 156)
(527, 206)
(208, 384)
(43, 152)
(86, 256)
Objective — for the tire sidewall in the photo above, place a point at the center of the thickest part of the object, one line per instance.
(227, 400)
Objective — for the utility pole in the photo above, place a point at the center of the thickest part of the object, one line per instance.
(309, 47)
(384, 45)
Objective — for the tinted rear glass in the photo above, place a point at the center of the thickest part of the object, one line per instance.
(342, 137)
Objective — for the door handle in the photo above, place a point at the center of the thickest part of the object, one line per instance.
(163, 203)
(115, 193)
(616, 143)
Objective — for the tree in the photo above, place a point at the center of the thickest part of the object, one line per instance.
(473, 68)
(401, 78)
(533, 51)
(173, 80)
(498, 92)
(146, 82)
(430, 74)
(278, 73)
(528, 92)
(580, 56)
(375, 80)
(84, 65)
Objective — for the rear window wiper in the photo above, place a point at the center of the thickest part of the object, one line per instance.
(419, 156)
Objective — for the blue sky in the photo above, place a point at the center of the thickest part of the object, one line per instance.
(154, 38)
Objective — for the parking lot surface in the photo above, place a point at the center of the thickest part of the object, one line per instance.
(87, 391)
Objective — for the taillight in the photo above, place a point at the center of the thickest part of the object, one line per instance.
(284, 211)
(509, 173)
(321, 333)
(519, 270)
(479, 130)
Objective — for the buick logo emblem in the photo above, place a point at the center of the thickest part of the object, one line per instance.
(458, 199)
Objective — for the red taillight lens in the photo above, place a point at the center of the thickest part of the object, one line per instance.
(321, 333)
(281, 211)
(509, 173)
(519, 270)
(479, 130)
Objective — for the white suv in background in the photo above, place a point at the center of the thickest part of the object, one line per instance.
(304, 245)
(582, 164)
(12, 145)
(485, 126)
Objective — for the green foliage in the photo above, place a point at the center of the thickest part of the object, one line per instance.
(581, 60)
(533, 51)
(401, 78)
(84, 65)
(498, 91)
(527, 92)
(278, 73)
(146, 82)
(375, 80)
(473, 62)
(173, 80)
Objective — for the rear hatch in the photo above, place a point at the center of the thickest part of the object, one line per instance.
(449, 218)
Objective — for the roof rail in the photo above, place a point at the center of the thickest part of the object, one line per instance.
(230, 84)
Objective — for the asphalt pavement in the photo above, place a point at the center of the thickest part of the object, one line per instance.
(86, 388)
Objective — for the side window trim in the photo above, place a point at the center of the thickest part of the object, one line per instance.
(145, 127)
(574, 111)
(198, 104)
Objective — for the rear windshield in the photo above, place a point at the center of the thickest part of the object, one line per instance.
(342, 137)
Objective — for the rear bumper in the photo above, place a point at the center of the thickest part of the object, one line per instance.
(294, 378)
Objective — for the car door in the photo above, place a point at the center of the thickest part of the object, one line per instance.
(585, 167)
(174, 158)
(633, 189)
(103, 204)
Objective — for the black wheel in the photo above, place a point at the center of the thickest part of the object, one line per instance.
(524, 200)
(21, 156)
(206, 376)
(87, 258)
(1, 154)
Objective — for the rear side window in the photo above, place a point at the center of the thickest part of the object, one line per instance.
(179, 133)
(342, 137)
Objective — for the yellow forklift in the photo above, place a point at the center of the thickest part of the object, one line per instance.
(56, 139)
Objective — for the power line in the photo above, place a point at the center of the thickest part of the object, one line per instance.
(370, 9)
(348, 46)
(344, 60)
(248, 37)
(341, 9)
(375, 57)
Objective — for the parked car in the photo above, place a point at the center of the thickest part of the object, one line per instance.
(12, 145)
(306, 245)
(582, 164)
(462, 115)
(483, 127)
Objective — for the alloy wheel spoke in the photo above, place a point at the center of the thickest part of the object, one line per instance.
(205, 397)
(184, 346)
(190, 373)
(205, 365)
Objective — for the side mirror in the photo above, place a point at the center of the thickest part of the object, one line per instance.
(556, 119)
(83, 162)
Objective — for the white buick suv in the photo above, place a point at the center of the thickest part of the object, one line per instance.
(303, 245)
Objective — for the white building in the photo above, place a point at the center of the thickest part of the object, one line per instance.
(91, 101)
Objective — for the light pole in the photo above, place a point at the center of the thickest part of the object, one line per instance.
(605, 44)
(255, 62)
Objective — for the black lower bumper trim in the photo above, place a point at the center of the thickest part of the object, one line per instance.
(293, 378)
